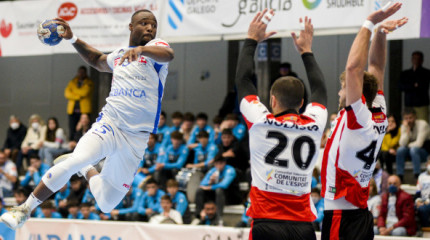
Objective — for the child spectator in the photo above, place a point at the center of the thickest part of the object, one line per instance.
(201, 125)
(86, 213)
(179, 200)
(73, 208)
(167, 215)
(150, 202)
(204, 152)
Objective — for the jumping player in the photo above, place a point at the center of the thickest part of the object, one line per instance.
(284, 145)
(124, 124)
(356, 137)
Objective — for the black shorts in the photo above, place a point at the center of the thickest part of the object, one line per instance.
(263, 229)
(347, 224)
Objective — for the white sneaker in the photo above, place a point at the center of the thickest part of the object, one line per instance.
(16, 217)
(62, 158)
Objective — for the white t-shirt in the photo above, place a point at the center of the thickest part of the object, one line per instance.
(391, 215)
(424, 185)
(134, 102)
(173, 214)
(374, 205)
(9, 168)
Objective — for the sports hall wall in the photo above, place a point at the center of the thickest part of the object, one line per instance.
(36, 84)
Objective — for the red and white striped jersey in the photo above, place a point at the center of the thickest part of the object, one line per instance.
(350, 154)
(284, 150)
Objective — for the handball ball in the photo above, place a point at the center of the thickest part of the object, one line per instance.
(49, 32)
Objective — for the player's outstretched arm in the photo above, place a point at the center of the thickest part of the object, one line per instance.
(378, 49)
(245, 67)
(303, 45)
(358, 54)
(90, 55)
(158, 53)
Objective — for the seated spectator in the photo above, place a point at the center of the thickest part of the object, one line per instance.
(171, 159)
(397, 215)
(208, 215)
(204, 152)
(218, 185)
(128, 206)
(15, 135)
(316, 179)
(162, 127)
(179, 200)
(381, 178)
(149, 204)
(374, 202)
(61, 199)
(20, 194)
(148, 164)
(33, 140)
(2, 209)
(168, 214)
(177, 118)
(8, 176)
(48, 211)
(201, 125)
(414, 132)
(231, 121)
(86, 213)
(73, 208)
(55, 142)
(319, 205)
(187, 125)
(232, 151)
(388, 152)
(422, 203)
(216, 121)
(88, 196)
(77, 189)
(34, 172)
(82, 127)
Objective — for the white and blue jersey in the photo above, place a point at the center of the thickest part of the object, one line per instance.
(180, 202)
(225, 178)
(134, 102)
(205, 154)
(173, 158)
(196, 130)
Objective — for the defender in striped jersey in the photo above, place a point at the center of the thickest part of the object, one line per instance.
(283, 144)
(350, 154)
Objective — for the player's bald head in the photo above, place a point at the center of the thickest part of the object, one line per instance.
(142, 13)
(288, 91)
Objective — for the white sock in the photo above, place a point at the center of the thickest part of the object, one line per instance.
(84, 170)
(32, 202)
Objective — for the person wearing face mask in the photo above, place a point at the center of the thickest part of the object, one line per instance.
(33, 140)
(422, 203)
(15, 135)
(397, 215)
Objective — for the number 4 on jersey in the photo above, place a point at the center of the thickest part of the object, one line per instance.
(367, 155)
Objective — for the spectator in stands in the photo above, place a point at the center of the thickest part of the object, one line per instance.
(319, 205)
(201, 125)
(162, 127)
(232, 150)
(168, 214)
(422, 203)
(149, 161)
(177, 118)
(2, 209)
(187, 125)
(34, 172)
(73, 207)
(88, 196)
(374, 202)
(217, 120)
(48, 211)
(315, 178)
(231, 121)
(150, 202)
(86, 213)
(79, 94)
(388, 152)
(208, 215)
(129, 205)
(381, 178)
(82, 127)
(20, 194)
(171, 159)
(77, 189)
(415, 83)
(179, 200)
(61, 199)
(55, 142)
(204, 152)
(397, 216)
(216, 184)
(414, 132)
(8, 176)
(15, 135)
(33, 140)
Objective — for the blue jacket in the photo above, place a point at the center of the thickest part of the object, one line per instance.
(59, 196)
(54, 215)
(205, 154)
(173, 158)
(88, 197)
(79, 216)
(92, 216)
(136, 196)
(180, 202)
(150, 158)
(153, 202)
(226, 176)
(320, 210)
(166, 138)
(196, 130)
(238, 132)
(161, 132)
(37, 176)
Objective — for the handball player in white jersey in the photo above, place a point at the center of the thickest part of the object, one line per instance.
(283, 144)
(122, 129)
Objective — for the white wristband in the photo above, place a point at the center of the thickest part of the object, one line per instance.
(369, 25)
(73, 39)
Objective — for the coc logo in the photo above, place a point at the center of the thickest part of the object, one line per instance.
(311, 4)
(67, 11)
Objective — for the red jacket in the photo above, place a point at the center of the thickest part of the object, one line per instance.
(404, 210)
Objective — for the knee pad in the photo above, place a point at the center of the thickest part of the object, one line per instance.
(56, 177)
